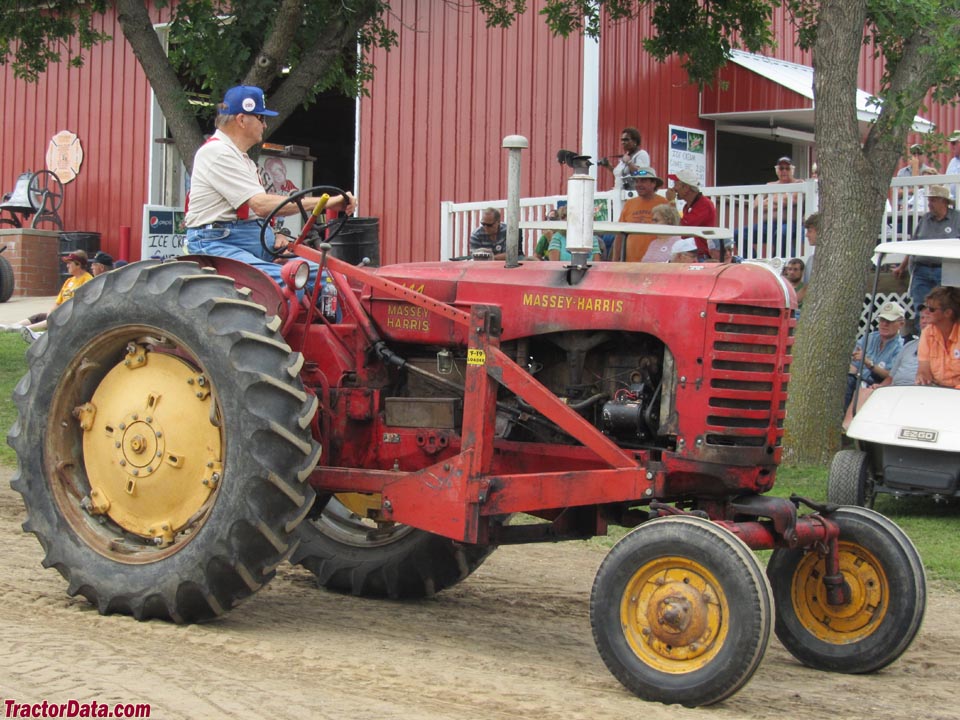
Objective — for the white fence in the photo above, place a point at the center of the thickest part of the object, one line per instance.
(767, 220)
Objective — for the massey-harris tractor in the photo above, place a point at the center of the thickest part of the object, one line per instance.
(186, 426)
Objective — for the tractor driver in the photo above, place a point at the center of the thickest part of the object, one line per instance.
(226, 198)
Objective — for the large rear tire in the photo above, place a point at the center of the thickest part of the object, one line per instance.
(681, 611)
(163, 443)
(887, 589)
(350, 554)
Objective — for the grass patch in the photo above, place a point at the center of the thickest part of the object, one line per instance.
(13, 364)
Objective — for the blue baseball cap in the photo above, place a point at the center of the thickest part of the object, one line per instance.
(245, 99)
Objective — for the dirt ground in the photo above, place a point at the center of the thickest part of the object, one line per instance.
(512, 641)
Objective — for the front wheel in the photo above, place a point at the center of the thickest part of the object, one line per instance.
(163, 443)
(886, 597)
(681, 611)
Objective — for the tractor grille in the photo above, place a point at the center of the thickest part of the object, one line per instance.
(748, 372)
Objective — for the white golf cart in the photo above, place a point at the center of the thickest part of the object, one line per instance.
(907, 438)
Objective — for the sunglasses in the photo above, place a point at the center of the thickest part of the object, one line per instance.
(261, 118)
(931, 308)
(489, 224)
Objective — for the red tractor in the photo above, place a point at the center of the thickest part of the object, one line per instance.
(187, 426)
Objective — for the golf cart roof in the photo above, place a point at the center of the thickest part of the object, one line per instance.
(948, 248)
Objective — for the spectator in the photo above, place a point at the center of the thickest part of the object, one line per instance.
(101, 263)
(903, 371)
(917, 202)
(698, 209)
(660, 250)
(540, 252)
(684, 251)
(811, 227)
(916, 162)
(793, 273)
(558, 248)
(76, 263)
(814, 172)
(633, 159)
(491, 235)
(227, 198)
(953, 168)
(632, 248)
(773, 213)
(119, 264)
(939, 350)
(940, 221)
(883, 345)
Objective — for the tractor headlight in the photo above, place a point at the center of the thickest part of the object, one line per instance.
(296, 273)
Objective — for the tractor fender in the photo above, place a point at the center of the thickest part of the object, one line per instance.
(263, 290)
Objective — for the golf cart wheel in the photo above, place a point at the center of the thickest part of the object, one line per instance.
(681, 611)
(850, 481)
(350, 553)
(885, 591)
(163, 443)
(6, 279)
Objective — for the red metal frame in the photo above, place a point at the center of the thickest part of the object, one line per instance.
(471, 477)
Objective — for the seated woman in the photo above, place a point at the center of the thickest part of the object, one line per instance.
(660, 249)
(939, 351)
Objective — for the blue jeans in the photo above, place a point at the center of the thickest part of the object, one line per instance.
(241, 241)
(923, 279)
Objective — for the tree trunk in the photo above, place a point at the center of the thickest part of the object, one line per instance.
(851, 177)
(138, 30)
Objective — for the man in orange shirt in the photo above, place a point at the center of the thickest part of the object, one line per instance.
(639, 210)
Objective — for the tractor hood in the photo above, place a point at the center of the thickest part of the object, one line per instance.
(539, 297)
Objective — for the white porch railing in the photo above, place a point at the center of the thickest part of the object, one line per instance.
(767, 220)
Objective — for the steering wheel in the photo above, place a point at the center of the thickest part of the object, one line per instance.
(332, 227)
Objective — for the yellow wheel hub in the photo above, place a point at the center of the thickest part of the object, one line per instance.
(673, 613)
(152, 449)
(869, 596)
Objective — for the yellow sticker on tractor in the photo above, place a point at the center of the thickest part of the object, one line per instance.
(476, 357)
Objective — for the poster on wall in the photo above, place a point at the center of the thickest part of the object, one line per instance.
(283, 176)
(163, 232)
(688, 151)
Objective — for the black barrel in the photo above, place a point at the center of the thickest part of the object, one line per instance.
(359, 239)
(89, 242)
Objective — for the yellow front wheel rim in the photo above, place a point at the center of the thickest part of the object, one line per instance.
(869, 594)
(674, 615)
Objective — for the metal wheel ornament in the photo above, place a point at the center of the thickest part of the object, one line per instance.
(45, 184)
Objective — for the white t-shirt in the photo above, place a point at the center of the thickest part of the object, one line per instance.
(641, 158)
(224, 178)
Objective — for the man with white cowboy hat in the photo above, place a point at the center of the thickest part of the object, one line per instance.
(698, 209)
(940, 221)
